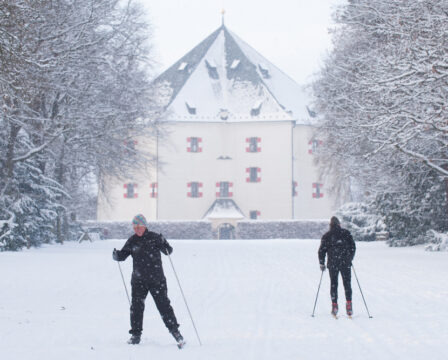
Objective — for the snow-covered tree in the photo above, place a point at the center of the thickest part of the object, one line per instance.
(381, 97)
(361, 221)
(75, 91)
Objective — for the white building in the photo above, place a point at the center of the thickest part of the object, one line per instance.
(239, 144)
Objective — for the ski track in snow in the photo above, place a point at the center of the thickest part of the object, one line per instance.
(249, 299)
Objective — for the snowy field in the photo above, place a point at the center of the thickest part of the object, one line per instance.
(249, 299)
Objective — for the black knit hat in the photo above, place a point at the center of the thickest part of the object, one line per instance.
(334, 221)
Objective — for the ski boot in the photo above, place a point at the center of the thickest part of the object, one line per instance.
(179, 339)
(334, 310)
(349, 308)
(134, 340)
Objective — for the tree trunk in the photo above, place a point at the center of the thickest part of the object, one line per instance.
(13, 132)
(60, 227)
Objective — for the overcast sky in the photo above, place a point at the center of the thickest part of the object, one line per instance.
(292, 34)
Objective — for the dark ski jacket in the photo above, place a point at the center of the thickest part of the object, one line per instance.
(340, 247)
(145, 251)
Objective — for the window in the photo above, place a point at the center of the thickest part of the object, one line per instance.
(153, 187)
(194, 188)
(254, 214)
(264, 71)
(223, 114)
(253, 174)
(193, 143)
(235, 64)
(211, 68)
(294, 188)
(130, 191)
(182, 66)
(255, 111)
(253, 144)
(223, 189)
(313, 145)
(311, 113)
(190, 108)
(317, 192)
(130, 146)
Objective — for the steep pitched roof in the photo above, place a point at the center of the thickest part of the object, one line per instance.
(224, 79)
(224, 209)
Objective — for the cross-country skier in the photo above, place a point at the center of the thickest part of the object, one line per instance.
(147, 276)
(338, 244)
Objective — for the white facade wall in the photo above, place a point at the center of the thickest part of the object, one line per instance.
(114, 206)
(305, 174)
(271, 196)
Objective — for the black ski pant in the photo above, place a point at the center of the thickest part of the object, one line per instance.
(346, 273)
(159, 293)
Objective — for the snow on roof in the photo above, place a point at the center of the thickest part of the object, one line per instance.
(182, 66)
(224, 209)
(235, 63)
(288, 93)
(226, 73)
(211, 63)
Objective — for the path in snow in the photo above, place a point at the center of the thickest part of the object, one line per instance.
(250, 300)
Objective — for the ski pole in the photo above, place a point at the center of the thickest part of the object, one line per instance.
(124, 283)
(370, 316)
(315, 301)
(185, 300)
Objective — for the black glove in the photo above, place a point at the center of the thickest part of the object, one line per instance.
(322, 267)
(115, 255)
(167, 250)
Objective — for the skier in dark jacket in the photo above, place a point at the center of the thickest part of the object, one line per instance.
(147, 276)
(338, 244)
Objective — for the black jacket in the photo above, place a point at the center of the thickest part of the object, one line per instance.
(145, 251)
(339, 245)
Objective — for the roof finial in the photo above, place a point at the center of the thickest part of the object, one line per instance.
(223, 12)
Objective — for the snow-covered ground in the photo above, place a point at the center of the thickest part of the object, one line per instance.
(249, 299)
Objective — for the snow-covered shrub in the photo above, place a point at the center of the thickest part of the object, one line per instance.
(281, 229)
(170, 229)
(202, 229)
(360, 220)
(418, 206)
(438, 241)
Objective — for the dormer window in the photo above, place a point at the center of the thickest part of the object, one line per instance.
(235, 64)
(264, 71)
(223, 114)
(211, 68)
(182, 66)
(191, 109)
(256, 108)
(311, 113)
